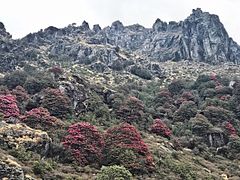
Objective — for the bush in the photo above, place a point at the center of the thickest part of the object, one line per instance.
(131, 110)
(41, 167)
(200, 125)
(186, 111)
(217, 115)
(8, 106)
(176, 86)
(33, 85)
(160, 128)
(124, 146)
(16, 78)
(22, 97)
(164, 96)
(114, 172)
(85, 143)
(142, 73)
(57, 103)
(40, 118)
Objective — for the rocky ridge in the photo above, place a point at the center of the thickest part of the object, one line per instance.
(201, 37)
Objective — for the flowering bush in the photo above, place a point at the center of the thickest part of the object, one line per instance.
(40, 118)
(160, 128)
(85, 142)
(124, 146)
(131, 110)
(8, 106)
(57, 103)
(231, 131)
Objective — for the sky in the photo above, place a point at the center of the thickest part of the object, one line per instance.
(21, 17)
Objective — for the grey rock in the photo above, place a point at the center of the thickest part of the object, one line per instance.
(96, 28)
(201, 37)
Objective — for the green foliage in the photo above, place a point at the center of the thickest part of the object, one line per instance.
(141, 72)
(186, 111)
(176, 86)
(41, 167)
(16, 78)
(114, 172)
(183, 170)
(21, 154)
(217, 115)
(200, 125)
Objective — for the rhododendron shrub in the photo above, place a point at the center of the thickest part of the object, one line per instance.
(40, 118)
(85, 143)
(131, 110)
(231, 131)
(160, 128)
(8, 106)
(57, 103)
(124, 146)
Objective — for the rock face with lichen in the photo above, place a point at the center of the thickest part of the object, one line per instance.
(16, 135)
(9, 168)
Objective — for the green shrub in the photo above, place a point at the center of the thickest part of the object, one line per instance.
(176, 86)
(142, 73)
(114, 173)
(41, 167)
(16, 78)
(186, 111)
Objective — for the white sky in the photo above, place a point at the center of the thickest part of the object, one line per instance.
(24, 16)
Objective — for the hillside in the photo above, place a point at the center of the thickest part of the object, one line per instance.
(124, 102)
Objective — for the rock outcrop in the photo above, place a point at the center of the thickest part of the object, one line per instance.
(16, 135)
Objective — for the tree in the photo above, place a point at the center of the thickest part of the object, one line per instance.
(85, 143)
(124, 146)
(8, 106)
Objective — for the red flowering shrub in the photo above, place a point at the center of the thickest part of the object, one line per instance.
(57, 103)
(40, 118)
(131, 110)
(8, 106)
(124, 146)
(231, 131)
(85, 142)
(160, 128)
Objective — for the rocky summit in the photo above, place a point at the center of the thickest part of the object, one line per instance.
(200, 37)
(121, 102)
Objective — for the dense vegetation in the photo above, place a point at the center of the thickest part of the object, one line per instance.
(92, 127)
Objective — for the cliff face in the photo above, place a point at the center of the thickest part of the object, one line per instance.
(200, 37)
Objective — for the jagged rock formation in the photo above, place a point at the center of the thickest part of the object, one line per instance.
(200, 37)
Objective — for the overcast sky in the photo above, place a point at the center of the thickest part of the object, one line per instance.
(24, 16)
